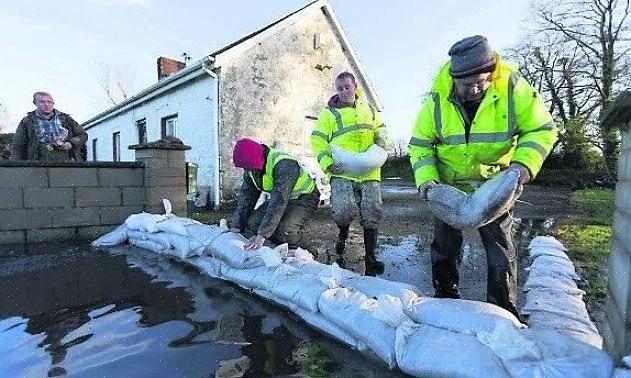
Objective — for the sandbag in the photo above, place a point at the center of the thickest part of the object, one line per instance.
(353, 312)
(566, 305)
(567, 285)
(546, 242)
(209, 265)
(175, 225)
(114, 237)
(561, 357)
(303, 290)
(254, 278)
(583, 329)
(462, 211)
(144, 222)
(621, 373)
(359, 163)
(373, 287)
(460, 315)
(148, 244)
(426, 351)
(547, 251)
(175, 245)
(202, 235)
(228, 247)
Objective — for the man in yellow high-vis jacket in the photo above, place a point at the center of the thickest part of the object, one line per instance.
(480, 117)
(349, 122)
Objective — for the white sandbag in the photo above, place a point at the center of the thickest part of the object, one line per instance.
(156, 237)
(254, 278)
(546, 242)
(390, 311)
(148, 244)
(175, 225)
(352, 311)
(460, 315)
(321, 323)
(303, 290)
(569, 306)
(373, 287)
(547, 251)
(621, 373)
(567, 285)
(277, 301)
(209, 265)
(547, 260)
(462, 211)
(144, 222)
(228, 247)
(355, 163)
(583, 330)
(201, 235)
(508, 343)
(114, 237)
(561, 357)
(426, 351)
(554, 271)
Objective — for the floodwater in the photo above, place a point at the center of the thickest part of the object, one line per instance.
(124, 312)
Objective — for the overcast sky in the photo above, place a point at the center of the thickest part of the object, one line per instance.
(58, 46)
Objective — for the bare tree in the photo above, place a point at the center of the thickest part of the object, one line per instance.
(398, 148)
(578, 57)
(116, 82)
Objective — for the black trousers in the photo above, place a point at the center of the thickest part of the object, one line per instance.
(290, 227)
(446, 251)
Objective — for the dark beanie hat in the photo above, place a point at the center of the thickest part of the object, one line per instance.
(471, 56)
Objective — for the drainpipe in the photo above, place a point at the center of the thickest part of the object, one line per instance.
(215, 135)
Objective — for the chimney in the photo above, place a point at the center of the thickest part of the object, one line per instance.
(167, 67)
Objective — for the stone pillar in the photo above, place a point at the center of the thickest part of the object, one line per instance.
(165, 173)
(617, 333)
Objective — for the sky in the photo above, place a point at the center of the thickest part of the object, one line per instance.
(63, 46)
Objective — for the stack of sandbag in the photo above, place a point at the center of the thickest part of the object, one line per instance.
(359, 163)
(463, 211)
(163, 233)
(553, 299)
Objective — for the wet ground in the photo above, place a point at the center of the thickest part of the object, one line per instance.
(125, 312)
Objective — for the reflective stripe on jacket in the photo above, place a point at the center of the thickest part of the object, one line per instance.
(354, 129)
(512, 124)
(304, 185)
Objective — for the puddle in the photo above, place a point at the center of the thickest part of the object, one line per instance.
(82, 312)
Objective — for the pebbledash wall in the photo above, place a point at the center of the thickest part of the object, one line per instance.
(617, 333)
(71, 201)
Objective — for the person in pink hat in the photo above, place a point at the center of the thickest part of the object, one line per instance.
(293, 196)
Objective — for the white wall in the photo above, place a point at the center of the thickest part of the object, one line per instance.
(195, 104)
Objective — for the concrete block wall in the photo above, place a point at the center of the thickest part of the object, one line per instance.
(617, 334)
(71, 201)
(66, 202)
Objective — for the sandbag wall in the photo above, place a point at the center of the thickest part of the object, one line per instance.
(421, 336)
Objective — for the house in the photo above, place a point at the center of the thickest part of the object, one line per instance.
(269, 85)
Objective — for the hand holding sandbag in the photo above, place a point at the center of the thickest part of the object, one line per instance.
(359, 163)
(462, 211)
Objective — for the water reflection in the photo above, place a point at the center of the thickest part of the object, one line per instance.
(82, 312)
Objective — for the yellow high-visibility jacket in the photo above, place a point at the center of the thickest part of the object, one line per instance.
(304, 185)
(354, 129)
(512, 124)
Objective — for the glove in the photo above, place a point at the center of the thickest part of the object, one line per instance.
(424, 188)
(524, 173)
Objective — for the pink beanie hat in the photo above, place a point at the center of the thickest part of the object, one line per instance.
(248, 154)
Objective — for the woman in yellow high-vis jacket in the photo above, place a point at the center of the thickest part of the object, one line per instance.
(480, 117)
(348, 121)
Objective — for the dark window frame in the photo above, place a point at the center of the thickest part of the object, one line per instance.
(141, 128)
(163, 123)
(116, 146)
(95, 149)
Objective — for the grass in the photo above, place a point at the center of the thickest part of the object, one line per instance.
(587, 235)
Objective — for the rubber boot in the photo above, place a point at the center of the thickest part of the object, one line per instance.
(373, 266)
(340, 245)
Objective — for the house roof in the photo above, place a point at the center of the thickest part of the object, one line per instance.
(213, 60)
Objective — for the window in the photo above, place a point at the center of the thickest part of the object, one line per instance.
(116, 146)
(169, 126)
(95, 149)
(141, 126)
